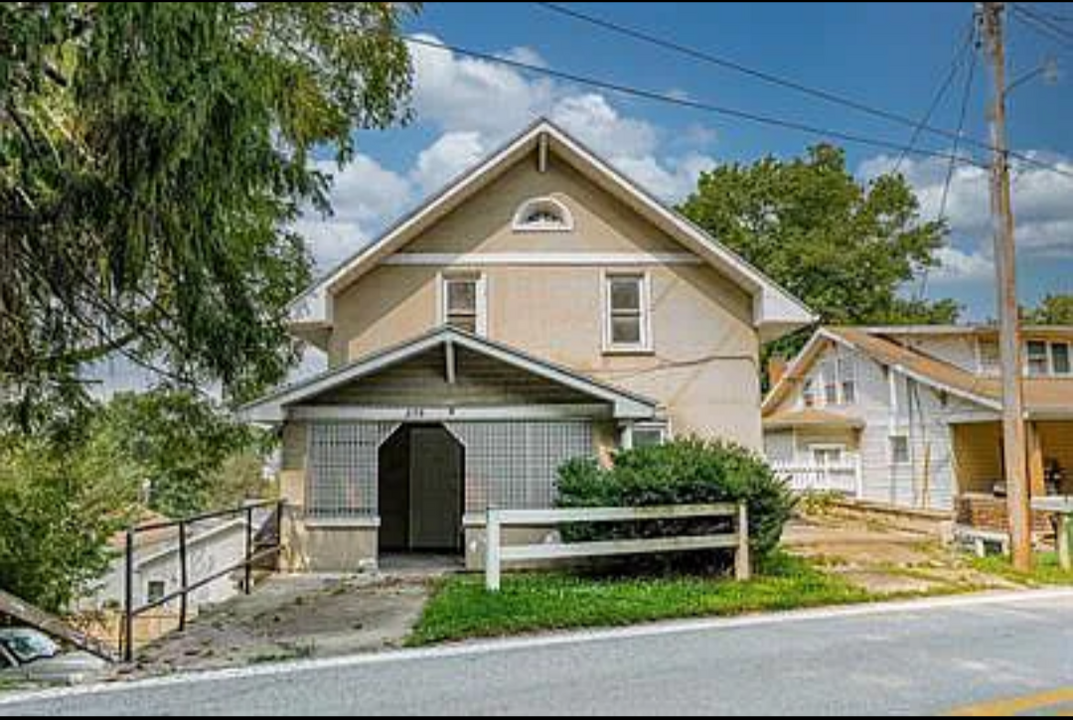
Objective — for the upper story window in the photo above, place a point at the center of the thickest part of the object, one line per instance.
(830, 383)
(627, 319)
(543, 215)
(835, 383)
(1046, 359)
(463, 303)
(847, 373)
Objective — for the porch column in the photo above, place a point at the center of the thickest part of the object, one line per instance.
(626, 439)
(1037, 474)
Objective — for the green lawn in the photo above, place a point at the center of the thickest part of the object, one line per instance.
(1047, 571)
(460, 607)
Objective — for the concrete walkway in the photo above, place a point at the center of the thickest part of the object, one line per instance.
(302, 616)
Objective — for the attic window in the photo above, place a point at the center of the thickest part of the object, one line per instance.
(543, 215)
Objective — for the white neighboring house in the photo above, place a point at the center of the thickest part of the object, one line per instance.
(211, 548)
(909, 417)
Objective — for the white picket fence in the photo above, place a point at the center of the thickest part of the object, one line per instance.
(843, 478)
(496, 553)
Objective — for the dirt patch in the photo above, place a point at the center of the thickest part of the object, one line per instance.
(885, 560)
(292, 618)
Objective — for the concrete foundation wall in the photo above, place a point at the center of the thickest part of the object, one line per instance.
(329, 549)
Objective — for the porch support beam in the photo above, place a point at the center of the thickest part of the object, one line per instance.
(1037, 473)
(355, 413)
(449, 354)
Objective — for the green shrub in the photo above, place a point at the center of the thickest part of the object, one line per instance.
(685, 472)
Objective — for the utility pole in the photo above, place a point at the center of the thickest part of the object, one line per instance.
(1013, 415)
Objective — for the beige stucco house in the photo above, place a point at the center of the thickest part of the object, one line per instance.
(540, 308)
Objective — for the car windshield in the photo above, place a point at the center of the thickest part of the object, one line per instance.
(27, 647)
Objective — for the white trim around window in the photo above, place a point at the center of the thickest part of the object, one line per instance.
(554, 216)
(642, 314)
(480, 309)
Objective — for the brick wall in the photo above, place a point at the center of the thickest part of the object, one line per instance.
(986, 512)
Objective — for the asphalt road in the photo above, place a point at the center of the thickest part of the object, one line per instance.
(999, 655)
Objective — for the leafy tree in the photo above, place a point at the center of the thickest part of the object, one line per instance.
(153, 158)
(58, 509)
(845, 249)
(181, 442)
(1052, 310)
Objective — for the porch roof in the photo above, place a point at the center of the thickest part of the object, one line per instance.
(623, 404)
(811, 417)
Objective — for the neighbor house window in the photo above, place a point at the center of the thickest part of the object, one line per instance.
(543, 215)
(808, 393)
(1039, 361)
(830, 383)
(627, 322)
(650, 435)
(1061, 360)
(847, 374)
(826, 456)
(156, 591)
(899, 450)
(464, 303)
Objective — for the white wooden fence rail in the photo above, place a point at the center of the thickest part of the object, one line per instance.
(812, 478)
(496, 553)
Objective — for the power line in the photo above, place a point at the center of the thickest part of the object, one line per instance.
(1042, 19)
(773, 79)
(1042, 26)
(687, 103)
(966, 96)
(955, 68)
(1056, 17)
(756, 118)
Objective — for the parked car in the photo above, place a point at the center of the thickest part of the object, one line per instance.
(31, 656)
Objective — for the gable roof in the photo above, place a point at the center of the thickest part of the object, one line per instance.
(1044, 397)
(776, 311)
(273, 408)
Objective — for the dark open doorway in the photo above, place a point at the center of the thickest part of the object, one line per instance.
(421, 491)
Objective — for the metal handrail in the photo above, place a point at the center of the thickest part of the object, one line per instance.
(252, 558)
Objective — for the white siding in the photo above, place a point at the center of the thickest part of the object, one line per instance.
(779, 446)
(919, 412)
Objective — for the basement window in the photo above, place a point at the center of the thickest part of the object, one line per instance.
(156, 591)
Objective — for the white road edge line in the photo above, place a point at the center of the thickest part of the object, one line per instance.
(496, 646)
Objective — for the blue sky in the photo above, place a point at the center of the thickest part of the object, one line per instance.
(890, 55)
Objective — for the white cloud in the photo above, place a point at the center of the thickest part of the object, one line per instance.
(453, 153)
(962, 267)
(470, 95)
(1043, 207)
(478, 104)
(365, 191)
(596, 123)
(672, 180)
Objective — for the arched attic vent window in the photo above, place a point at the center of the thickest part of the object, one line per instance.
(543, 215)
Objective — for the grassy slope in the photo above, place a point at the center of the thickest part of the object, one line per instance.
(530, 602)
